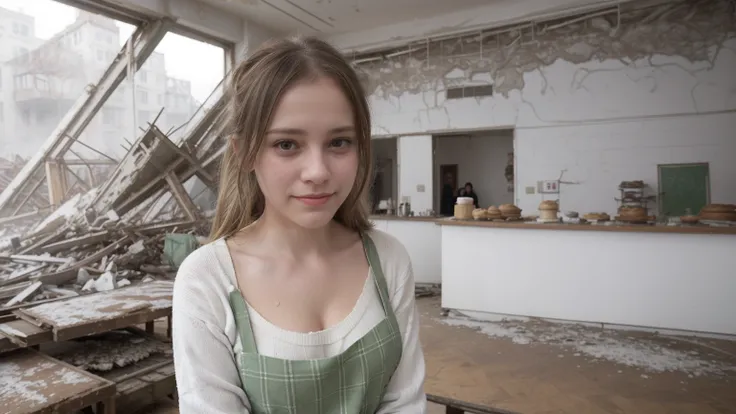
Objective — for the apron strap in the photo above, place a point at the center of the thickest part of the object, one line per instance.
(242, 322)
(374, 262)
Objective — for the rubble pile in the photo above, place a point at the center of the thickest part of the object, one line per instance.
(113, 235)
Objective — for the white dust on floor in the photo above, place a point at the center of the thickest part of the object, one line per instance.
(610, 345)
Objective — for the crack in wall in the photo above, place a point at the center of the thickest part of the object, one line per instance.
(689, 29)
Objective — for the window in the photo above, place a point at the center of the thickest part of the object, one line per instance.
(100, 55)
(160, 99)
(2, 113)
(144, 76)
(142, 96)
(26, 116)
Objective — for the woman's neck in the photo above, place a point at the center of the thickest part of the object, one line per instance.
(283, 235)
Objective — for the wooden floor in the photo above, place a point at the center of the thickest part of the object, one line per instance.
(542, 378)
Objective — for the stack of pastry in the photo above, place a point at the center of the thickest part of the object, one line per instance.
(718, 212)
(597, 217)
(548, 210)
(510, 212)
(494, 213)
(632, 214)
(480, 214)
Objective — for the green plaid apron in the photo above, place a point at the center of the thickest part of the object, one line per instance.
(350, 383)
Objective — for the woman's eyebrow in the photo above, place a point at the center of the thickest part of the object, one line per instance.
(301, 132)
(286, 131)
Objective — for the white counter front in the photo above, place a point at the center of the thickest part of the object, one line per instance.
(661, 279)
(422, 239)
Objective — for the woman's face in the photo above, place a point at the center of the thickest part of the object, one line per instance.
(309, 159)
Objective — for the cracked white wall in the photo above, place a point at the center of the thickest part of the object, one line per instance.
(604, 103)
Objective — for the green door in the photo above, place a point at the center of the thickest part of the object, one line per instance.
(683, 186)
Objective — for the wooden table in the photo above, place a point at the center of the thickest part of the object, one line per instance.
(34, 383)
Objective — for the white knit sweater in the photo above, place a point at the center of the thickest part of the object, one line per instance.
(205, 336)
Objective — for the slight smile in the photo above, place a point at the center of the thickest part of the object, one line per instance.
(315, 199)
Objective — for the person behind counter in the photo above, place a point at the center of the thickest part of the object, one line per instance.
(469, 192)
(447, 203)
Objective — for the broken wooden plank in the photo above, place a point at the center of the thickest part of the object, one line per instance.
(24, 294)
(24, 334)
(24, 258)
(85, 240)
(70, 273)
(181, 196)
(23, 275)
(10, 291)
(32, 214)
(202, 173)
(50, 238)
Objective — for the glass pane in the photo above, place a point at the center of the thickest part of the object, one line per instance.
(47, 58)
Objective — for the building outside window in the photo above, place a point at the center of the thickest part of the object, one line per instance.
(142, 96)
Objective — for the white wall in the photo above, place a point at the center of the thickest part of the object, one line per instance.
(415, 171)
(639, 279)
(604, 105)
(481, 160)
(423, 241)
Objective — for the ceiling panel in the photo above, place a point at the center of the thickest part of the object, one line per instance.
(338, 16)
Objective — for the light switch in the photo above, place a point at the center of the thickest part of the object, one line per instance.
(550, 187)
(420, 188)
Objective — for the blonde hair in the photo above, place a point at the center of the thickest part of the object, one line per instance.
(253, 93)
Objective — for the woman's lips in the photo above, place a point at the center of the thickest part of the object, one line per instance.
(315, 199)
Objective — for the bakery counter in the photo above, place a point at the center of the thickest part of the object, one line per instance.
(406, 218)
(631, 228)
(662, 277)
(422, 239)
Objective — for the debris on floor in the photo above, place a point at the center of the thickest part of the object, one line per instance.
(115, 349)
(649, 352)
(425, 290)
(73, 276)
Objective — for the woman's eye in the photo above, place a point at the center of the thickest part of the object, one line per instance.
(341, 143)
(286, 145)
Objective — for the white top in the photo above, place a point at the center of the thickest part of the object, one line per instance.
(205, 336)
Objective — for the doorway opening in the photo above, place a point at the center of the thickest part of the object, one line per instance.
(483, 158)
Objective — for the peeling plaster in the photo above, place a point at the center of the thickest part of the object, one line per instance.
(696, 31)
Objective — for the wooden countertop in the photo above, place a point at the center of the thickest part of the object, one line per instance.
(399, 218)
(631, 228)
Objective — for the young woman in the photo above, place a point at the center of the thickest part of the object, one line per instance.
(297, 305)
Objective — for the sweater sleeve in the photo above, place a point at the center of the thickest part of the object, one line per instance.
(206, 374)
(405, 393)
